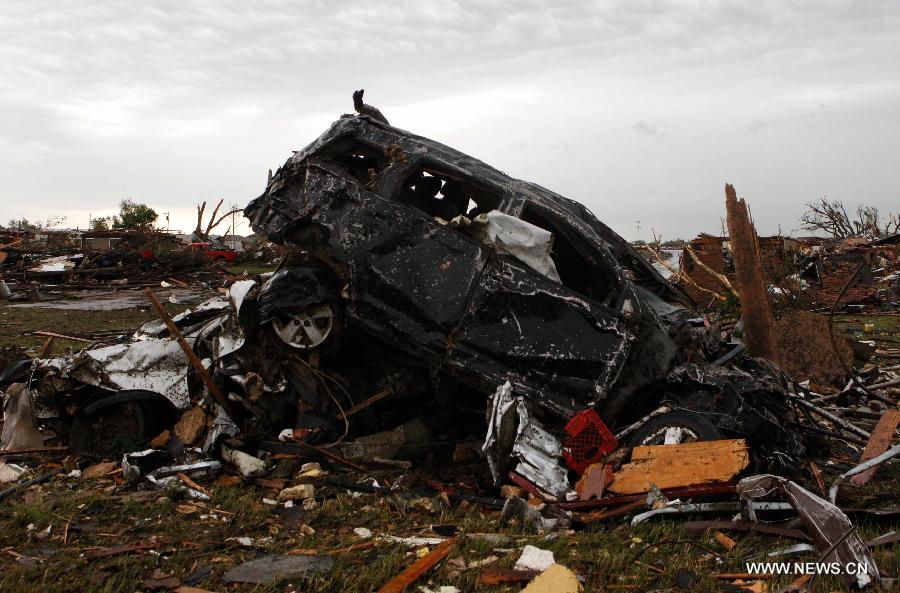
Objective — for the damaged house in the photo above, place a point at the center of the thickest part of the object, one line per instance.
(425, 291)
(820, 267)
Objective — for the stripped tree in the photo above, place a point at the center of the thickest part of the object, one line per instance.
(201, 234)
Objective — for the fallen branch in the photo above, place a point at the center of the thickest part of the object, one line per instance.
(720, 277)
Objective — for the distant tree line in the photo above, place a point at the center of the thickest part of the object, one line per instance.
(832, 218)
(131, 216)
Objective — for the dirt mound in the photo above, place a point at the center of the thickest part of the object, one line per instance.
(806, 351)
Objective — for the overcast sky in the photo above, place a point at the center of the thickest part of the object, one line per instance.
(641, 110)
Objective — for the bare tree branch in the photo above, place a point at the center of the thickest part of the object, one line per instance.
(830, 216)
(199, 227)
(212, 218)
(223, 217)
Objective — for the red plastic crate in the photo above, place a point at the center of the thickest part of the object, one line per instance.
(588, 441)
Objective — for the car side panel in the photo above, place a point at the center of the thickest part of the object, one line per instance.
(552, 337)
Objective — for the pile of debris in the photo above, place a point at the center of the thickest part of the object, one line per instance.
(32, 271)
(426, 298)
(860, 273)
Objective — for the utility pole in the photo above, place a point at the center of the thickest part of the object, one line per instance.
(639, 230)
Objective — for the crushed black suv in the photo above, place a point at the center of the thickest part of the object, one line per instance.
(431, 257)
(426, 298)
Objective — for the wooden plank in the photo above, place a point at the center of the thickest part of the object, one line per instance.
(417, 568)
(700, 490)
(47, 347)
(618, 511)
(878, 443)
(817, 474)
(669, 466)
(365, 403)
(61, 336)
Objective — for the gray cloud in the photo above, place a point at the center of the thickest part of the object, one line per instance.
(176, 102)
(645, 129)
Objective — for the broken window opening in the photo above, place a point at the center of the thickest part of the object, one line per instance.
(363, 161)
(576, 271)
(444, 196)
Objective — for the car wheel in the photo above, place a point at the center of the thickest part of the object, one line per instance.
(675, 427)
(307, 329)
(112, 430)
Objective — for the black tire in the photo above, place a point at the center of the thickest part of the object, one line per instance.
(697, 428)
(120, 423)
(111, 431)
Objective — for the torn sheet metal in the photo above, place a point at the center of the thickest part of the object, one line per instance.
(678, 507)
(541, 518)
(159, 366)
(229, 335)
(526, 242)
(238, 292)
(222, 425)
(512, 429)
(825, 523)
(19, 430)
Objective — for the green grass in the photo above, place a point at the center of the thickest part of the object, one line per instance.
(14, 321)
(249, 269)
(98, 516)
(886, 332)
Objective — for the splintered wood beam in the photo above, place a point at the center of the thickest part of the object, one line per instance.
(670, 466)
(878, 444)
(417, 568)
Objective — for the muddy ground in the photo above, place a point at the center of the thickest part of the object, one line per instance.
(57, 536)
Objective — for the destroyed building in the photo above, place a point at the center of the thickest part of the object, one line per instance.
(706, 254)
(817, 268)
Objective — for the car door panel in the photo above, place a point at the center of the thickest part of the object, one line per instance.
(552, 337)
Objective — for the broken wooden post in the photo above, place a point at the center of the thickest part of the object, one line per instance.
(759, 325)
